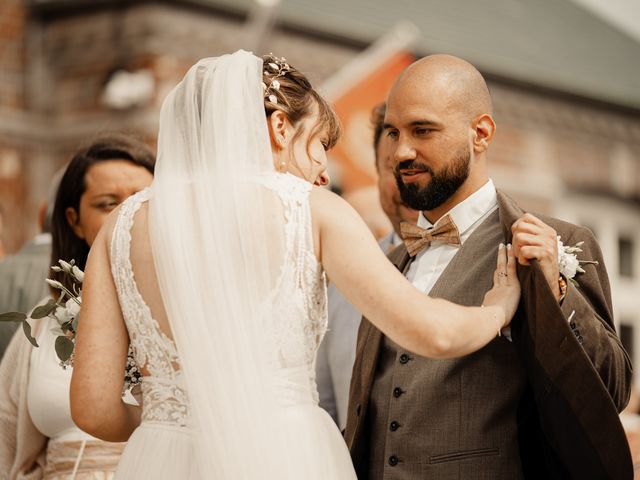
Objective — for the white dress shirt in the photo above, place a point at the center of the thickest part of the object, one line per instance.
(467, 215)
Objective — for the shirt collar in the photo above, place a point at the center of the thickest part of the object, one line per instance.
(470, 210)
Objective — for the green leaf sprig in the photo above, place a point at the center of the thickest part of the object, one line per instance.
(59, 309)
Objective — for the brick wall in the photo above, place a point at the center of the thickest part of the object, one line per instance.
(13, 24)
(53, 70)
(547, 146)
(13, 187)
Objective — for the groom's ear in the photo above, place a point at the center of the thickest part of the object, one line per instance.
(484, 129)
(279, 129)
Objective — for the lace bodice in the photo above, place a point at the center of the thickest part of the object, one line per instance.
(301, 298)
(300, 303)
(163, 396)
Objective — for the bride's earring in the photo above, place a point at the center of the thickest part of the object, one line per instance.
(281, 145)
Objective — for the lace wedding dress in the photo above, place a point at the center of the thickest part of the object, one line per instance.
(162, 447)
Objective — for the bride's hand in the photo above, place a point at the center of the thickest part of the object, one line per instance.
(506, 286)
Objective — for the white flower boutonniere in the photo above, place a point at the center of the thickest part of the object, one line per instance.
(568, 262)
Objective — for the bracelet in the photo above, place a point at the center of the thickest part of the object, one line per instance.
(562, 283)
(494, 316)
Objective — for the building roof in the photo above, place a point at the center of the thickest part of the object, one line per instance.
(553, 44)
(550, 43)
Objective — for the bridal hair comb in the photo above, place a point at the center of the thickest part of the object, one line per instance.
(276, 68)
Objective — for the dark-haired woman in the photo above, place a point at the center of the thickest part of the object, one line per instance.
(38, 439)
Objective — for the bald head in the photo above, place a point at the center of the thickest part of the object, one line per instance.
(439, 123)
(454, 83)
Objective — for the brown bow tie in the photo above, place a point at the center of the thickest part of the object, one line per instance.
(416, 238)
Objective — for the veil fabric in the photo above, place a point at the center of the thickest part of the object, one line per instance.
(217, 243)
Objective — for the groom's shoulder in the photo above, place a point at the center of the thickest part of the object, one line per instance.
(564, 228)
(560, 225)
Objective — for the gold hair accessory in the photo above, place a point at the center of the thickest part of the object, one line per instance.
(273, 70)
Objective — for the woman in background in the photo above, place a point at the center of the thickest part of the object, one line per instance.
(38, 439)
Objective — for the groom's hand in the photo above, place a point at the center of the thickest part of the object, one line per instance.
(532, 238)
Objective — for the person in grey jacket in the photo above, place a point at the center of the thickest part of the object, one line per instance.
(22, 275)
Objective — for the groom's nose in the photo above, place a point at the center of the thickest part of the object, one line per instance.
(404, 151)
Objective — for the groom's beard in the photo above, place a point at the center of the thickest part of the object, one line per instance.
(442, 185)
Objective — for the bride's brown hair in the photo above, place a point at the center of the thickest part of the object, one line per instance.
(295, 97)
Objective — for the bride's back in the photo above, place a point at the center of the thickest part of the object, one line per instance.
(164, 398)
(297, 301)
(144, 271)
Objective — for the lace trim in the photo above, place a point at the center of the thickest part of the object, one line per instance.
(151, 346)
(163, 400)
(164, 403)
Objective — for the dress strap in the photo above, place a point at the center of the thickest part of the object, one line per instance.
(294, 195)
(152, 348)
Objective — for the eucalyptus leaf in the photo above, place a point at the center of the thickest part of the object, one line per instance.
(64, 348)
(44, 310)
(12, 317)
(26, 328)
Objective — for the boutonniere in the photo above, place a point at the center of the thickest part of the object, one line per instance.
(568, 262)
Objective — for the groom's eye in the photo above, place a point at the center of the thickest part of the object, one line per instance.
(392, 134)
(422, 131)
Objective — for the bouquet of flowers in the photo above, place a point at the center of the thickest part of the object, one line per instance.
(66, 311)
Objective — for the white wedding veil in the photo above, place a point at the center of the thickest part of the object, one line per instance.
(217, 241)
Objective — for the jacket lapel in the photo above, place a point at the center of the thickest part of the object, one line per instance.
(451, 283)
(364, 368)
(373, 337)
(584, 439)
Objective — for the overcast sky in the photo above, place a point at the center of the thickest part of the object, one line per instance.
(624, 14)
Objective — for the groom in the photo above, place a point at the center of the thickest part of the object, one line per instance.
(540, 401)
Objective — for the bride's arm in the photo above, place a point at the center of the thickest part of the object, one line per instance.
(101, 352)
(430, 327)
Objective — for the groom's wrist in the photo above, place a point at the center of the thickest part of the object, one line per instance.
(562, 287)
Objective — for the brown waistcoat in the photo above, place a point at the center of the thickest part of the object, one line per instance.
(470, 402)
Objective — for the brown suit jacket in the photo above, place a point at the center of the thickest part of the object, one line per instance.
(574, 376)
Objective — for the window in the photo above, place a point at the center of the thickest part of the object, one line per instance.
(625, 257)
(626, 337)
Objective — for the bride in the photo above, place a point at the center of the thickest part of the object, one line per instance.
(216, 275)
